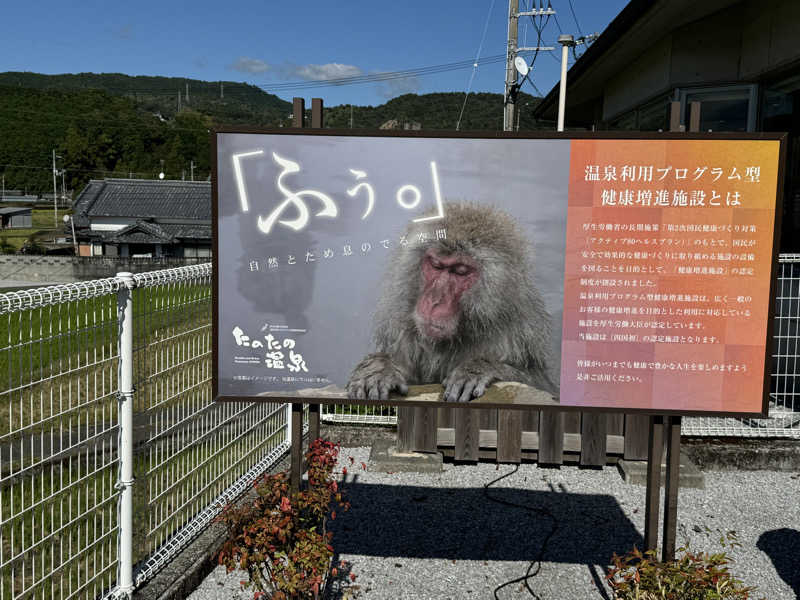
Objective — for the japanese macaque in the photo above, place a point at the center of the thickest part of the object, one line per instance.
(459, 309)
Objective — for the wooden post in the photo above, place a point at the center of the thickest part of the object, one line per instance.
(551, 438)
(655, 449)
(298, 112)
(673, 438)
(313, 422)
(694, 116)
(296, 471)
(509, 436)
(316, 113)
(637, 428)
(467, 434)
(594, 427)
(425, 420)
(405, 429)
(675, 117)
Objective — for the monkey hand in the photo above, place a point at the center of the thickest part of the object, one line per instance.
(374, 377)
(470, 380)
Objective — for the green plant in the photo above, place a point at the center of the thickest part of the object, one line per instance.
(280, 537)
(5, 246)
(691, 576)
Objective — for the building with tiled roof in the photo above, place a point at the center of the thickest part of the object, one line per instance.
(144, 217)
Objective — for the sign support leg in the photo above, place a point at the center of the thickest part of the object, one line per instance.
(296, 469)
(673, 438)
(655, 450)
(313, 422)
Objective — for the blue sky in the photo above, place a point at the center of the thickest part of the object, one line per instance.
(267, 43)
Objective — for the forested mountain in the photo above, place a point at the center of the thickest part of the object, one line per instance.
(225, 101)
(113, 125)
(434, 111)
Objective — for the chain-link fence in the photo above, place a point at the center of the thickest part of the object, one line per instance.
(784, 406)
(89, 508)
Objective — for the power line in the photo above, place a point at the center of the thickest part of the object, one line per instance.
(475, 65)
(575, 18)
(386, 76)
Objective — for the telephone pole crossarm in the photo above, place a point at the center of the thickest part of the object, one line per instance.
(540, 12)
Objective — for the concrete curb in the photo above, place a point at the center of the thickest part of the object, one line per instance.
(734, 454)
(385, 458)
(635, 473)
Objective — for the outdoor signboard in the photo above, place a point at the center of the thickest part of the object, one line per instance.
(581, 271)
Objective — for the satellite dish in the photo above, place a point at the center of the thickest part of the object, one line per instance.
(161, 175)
(66, 218)
(521, 65)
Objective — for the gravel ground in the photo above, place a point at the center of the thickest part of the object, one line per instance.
(412, 535)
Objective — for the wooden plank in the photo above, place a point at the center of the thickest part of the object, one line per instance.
(593, 439)
(316, 113)
(675, 117)
(425, 429)
(405, 429)
(509, 436)
(487, 419)
(527, 455)
(672, 435)
(298, 112)
(447, 418)
(551, 438)
(572, 422)
(636, 436)
(655, 445)
(616, 423)
(446, 438)
(467, 437)
(694, 116)
(530, 420)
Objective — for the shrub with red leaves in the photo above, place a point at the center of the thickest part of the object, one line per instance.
(280, 537)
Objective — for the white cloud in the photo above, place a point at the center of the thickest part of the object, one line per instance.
(397, 87)
(312, 72)
(245, 64)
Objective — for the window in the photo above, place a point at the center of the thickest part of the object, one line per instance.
(729, 108)
(654, 116)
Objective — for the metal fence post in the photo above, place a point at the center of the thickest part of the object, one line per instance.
(125, 416)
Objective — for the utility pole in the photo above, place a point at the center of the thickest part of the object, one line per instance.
(179, 101)
(567, 42)
(512, 87)
(63, 187)
(221, 90)
(351, 116)
(55, 193)
(187, 93)
(509, 98)
(192, 169)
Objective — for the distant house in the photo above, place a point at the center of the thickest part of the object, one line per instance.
(143, 217)
(15, 217)
(738, 58)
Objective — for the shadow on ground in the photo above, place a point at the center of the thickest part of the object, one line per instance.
(783, 548)
(463, 524)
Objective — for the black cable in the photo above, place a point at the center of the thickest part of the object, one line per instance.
(536, 562)
(575, 18)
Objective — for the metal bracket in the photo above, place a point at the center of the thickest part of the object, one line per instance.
(122, 484)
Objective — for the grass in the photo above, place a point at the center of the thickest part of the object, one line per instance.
(58, 378)
(42, 223)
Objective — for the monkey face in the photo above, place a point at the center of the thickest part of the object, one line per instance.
(445, 278)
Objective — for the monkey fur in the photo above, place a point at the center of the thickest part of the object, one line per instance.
(461, 311)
